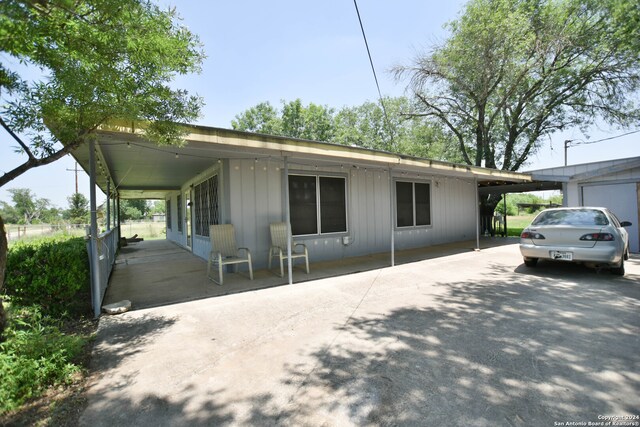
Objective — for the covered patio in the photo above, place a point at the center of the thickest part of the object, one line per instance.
(159, 272)
(348, 203)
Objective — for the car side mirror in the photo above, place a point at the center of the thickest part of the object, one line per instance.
(626, 224)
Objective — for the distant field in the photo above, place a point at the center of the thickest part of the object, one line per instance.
(145, 230)
(515, 224)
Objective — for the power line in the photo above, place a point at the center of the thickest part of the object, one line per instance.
(581, 142)
(375, 76)
(575, 142)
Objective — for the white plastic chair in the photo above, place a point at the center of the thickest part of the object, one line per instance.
(279, 247)
(224, 251)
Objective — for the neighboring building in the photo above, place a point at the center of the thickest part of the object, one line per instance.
(614, 184)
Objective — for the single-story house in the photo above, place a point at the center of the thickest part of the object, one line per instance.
(614, 184)
(343, 201)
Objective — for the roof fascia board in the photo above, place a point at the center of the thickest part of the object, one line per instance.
(284, 146)
(543, 177)
(606, 171)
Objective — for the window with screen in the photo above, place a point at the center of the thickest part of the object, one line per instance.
(413, 204)
(205, 203)
(318, 204)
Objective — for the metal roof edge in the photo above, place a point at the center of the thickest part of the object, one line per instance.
(287, 145)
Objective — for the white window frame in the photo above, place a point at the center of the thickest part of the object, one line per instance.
(198, 209)
(413, 183)
(317, 176)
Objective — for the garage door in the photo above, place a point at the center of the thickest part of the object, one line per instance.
(621, 199)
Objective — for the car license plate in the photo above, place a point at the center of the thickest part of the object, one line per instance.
(560, 255)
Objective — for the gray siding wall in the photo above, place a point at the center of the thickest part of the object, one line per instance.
(257, 190)
(252, 197)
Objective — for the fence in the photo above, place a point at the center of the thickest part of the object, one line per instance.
(145, 229)
(20, 232)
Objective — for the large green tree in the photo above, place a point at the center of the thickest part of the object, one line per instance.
(363, 125)
(95, 61)
(133, 209)
(78, 211)
(314, 122)
(368, 126)
(263, 118)
(513, 72)
(28, 207)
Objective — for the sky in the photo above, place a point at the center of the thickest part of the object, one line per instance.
(287, 49)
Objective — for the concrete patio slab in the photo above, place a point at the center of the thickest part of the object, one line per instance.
(158, 272)
(474, 339)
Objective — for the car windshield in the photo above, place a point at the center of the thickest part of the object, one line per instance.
(571, 217)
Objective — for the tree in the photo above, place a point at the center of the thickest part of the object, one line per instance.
(158, 207)
(27, 206)
(133, 209)
(363, 125)
(513, 72)
(314, 122)
(366, 126)
(101, 61)
(263, 118)
(51, 215)
(78, 211)
(9, 213)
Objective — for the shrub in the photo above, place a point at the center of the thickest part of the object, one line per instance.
(34, 356)
(47, 272)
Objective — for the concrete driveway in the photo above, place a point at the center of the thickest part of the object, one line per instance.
(475, 339)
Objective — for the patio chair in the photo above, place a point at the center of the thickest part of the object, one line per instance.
(279, 247)
(224, 251)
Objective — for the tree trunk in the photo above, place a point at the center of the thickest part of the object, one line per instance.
(488, 205)
(3, 265)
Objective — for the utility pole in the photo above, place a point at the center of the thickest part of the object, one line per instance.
(76, 171)
(567, 144)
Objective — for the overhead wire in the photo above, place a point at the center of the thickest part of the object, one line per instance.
(574, 142)
(375, 76)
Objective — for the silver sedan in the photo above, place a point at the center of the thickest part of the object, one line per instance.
(592, 236)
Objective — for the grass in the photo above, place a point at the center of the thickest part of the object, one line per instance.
(44, 357)
(517, 223)
(146, 230)
(39, 353)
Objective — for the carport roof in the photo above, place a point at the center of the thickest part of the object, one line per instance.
(139, 168)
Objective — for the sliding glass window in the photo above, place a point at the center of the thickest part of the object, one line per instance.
(413, 204)
(318, 204)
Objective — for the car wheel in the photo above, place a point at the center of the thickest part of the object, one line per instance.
(626, 254)
(530, 262)
(618, 271)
